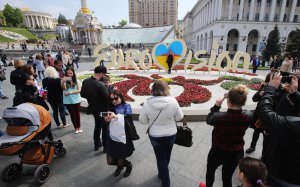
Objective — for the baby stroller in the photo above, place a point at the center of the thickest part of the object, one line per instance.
(28, 126)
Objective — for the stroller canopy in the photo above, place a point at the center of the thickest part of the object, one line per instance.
(28, 111)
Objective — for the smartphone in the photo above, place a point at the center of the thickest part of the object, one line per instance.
(286, 79)
(104, 114)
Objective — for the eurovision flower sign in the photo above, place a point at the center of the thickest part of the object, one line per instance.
(194, 92)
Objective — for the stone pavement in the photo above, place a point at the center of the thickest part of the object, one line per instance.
(82, 166)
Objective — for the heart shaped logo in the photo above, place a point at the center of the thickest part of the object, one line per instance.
(161, 51)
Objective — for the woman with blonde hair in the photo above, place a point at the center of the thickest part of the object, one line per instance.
(66, 59)
(161, 111)
(17, 76)
(227, 136)
(52, 84)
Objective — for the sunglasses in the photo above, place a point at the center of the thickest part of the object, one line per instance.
(114, 99)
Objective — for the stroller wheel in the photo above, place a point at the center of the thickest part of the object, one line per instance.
(11, 172)
(41, 174)
(60, 151)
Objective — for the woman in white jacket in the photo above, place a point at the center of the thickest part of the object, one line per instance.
(161, 113)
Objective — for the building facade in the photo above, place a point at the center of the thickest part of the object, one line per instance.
(239, 25)
(38, 20)
(86, 29)
(153, 13)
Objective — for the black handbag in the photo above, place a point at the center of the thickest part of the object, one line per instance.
(184, 135)
(131, 128)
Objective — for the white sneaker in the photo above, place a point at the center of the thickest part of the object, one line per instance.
(76, 131)
(60, 126)
(80, 130)
(67, 125)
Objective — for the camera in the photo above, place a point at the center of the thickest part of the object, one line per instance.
(104, 114)
(286, 79)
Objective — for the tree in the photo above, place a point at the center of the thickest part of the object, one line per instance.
(122, 23)
(2, 19)
(293, 44)
(13, 16)
(62, 19)
(273, 46)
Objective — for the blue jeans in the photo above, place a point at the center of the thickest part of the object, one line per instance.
(1, 92)
(162, 148)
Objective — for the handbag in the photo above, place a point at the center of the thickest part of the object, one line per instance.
(2, 75)
(153, 122)
(184, 135)
(129, 125)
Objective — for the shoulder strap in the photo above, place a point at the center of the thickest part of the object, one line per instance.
(153, 122)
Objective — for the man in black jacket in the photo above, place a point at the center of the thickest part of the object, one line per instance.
(283, 159)
(96, 94)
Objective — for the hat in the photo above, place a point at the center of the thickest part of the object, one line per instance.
(100, 69)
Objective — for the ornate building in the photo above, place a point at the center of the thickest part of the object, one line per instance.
(153, 13)
(86, 29)
(239, 25)
(38, 20)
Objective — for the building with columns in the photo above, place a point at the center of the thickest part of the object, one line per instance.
(239, 25)
(153, 13)
(86, 29)
(38, 20)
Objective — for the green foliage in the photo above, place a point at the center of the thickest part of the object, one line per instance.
(293, 46)
(256, 80)
(2, 19)
(273, 45)
(13, 16)
(62, 19)
(113, 78)
(122, 23)
(232, 78)
(227, 85)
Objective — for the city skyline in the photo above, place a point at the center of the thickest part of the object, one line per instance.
(55, 7)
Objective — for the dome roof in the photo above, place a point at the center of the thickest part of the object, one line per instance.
(132, 26)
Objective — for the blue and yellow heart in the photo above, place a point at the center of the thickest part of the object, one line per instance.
(160, 53)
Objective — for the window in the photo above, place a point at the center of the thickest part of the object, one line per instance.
(235, 47)
(298, 3)
(254, 46)
(287, 3)
(258, 3)
(284, 18)
(278, 3)
(296, 18)
(266, 17)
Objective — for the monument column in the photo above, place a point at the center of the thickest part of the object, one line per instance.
(42, 22)
(84, 7)
(241, 10)
(262, 10)
(32, 21)
(273, 6)
(220, 10)
(292, 14)
(282, 10)
(251, 13)
(37, 21)
(230, 9)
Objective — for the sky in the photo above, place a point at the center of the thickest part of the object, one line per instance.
(108, 12)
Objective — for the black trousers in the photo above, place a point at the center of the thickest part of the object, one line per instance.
(170, 66)
(100, 123)
(255, 137)
(228, 160)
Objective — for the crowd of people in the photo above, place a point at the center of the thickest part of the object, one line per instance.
(277, 116)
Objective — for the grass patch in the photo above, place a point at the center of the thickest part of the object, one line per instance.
(49, 36)
(4, 39)
(22, 31)
(113, 78)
